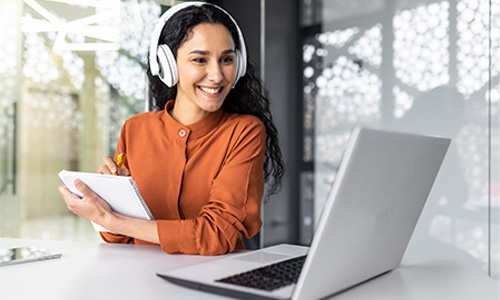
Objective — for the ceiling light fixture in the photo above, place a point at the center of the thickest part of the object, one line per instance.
(87, 26)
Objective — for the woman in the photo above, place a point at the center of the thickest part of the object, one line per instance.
(200, 163)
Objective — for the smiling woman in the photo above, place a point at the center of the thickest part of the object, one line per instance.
(207, 69)
(201, 161)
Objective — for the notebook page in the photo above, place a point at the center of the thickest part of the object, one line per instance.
(120, 192)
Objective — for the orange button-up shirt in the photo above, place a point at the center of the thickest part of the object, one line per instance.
(203, 182)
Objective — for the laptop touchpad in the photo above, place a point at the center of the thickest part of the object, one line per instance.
(262, 257)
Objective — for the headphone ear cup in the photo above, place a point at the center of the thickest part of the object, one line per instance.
(239, 67)
(167, 66)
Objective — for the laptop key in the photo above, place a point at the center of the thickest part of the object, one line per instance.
(270, 277)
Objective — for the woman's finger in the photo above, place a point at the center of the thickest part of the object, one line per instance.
(109, 166)
(83, 188)
(123, 172)
(67, 194)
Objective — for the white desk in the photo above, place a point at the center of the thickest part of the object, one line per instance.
(110, 271)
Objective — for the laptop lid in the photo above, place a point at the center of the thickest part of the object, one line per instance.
(376, 199)
(378, 194)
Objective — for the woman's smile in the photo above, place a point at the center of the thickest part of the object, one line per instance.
(215, 91)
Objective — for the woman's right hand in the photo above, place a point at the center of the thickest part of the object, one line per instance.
(109, 167)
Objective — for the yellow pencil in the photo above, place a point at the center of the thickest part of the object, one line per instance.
(120, 159)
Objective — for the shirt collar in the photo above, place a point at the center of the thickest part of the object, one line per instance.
(197, 129)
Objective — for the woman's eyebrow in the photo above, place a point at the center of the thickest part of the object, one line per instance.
(203, 52)
(199, 52)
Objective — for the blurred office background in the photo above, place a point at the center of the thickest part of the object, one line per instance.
(72, 71)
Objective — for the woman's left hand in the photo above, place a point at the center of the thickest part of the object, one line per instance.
(91, 206)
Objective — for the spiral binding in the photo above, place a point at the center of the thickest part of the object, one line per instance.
(145, 207)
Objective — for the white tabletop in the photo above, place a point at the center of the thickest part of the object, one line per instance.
(113, 271)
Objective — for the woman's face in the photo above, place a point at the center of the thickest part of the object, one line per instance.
(206, 63)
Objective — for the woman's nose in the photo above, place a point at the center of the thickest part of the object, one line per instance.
(214, 72)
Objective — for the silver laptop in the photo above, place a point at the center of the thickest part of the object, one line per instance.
(381, 186)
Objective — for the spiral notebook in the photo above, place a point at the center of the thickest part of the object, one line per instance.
(121, 192)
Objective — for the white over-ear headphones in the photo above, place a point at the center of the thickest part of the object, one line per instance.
(162, 60)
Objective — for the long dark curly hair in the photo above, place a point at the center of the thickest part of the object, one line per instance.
(247, 97)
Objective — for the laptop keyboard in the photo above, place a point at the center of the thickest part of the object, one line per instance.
(270, 277)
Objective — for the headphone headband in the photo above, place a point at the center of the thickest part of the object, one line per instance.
(153, 48)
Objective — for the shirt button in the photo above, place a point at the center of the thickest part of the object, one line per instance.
(182, 133)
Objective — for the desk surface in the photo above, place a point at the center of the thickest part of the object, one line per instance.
(111, 271)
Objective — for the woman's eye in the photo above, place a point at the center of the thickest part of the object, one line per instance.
(199, 60)
(227, 59)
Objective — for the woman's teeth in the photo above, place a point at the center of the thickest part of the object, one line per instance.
(210, 90)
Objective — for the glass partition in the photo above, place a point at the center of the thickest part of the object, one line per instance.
(428, 67)
(71, 72)
(494, 102)
(10, 42)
